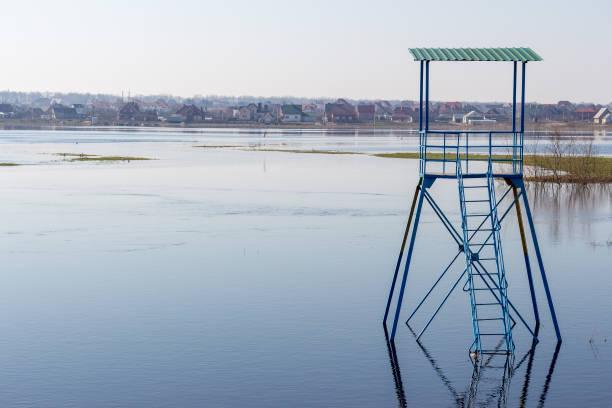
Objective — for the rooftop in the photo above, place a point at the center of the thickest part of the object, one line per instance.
(474, 54)
(291, 109)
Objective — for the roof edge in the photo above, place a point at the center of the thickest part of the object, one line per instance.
(515, 54)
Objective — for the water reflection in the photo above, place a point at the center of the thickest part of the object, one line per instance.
(599, 134)
(584, 197)
(530, 354)
(490, 381)
(549, 375)
(571, 204)
(395, 369)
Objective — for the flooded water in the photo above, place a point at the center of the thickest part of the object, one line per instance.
(230, 277)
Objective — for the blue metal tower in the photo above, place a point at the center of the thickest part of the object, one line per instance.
(475, 159)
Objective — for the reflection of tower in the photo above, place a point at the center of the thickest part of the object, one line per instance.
(475, 160)
(490, 381)
(395, 369)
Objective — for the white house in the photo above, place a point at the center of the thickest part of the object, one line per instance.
(472, 115)
(603, 116)
(291, 113)
(482, 121)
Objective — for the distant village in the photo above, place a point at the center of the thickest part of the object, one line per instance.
(89, 109)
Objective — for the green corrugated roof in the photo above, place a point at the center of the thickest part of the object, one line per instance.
(474, 54)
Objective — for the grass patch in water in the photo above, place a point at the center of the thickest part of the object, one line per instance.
(556, 169)
(108, 158)
(217, 146)
(74, 154)
(440, 156)
(9, 164)
(550, 168)
(82, 157)
(257, 149)
(303, 151)
(569, 169)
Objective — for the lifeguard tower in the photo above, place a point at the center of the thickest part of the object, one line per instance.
(476, 159)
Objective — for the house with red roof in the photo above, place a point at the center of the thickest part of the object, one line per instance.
(131, 112)
(402, 114)
(191, 113)
(366, 113)
(584, 113)
(340, 111)
(450, 108)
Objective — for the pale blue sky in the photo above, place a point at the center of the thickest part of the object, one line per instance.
(356, 49)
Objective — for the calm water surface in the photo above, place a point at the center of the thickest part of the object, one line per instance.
(228, 277)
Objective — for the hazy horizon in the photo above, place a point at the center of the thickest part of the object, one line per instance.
(356, 50)
(288, 98)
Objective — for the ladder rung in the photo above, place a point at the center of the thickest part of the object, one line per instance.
(490, 318)
(482, 243)
(475, 201)
(485, 274)
(486, 259)
(493, 334)
(480, 229)
(487, 304)
(492, 288)
(475, 186)
(477, 215)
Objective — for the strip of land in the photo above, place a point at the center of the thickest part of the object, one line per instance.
(547, 168)
(82, 157)
(563, 169)
(329, 127)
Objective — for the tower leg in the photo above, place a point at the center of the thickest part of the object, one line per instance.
(401, 254)
(540, 263)
(519, 216)
(408, 257)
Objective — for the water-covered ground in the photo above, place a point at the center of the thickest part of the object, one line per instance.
(230, 277)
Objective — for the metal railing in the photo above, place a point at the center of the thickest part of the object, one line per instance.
(439, 147)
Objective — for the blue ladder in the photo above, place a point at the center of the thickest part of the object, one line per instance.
(486, 276)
